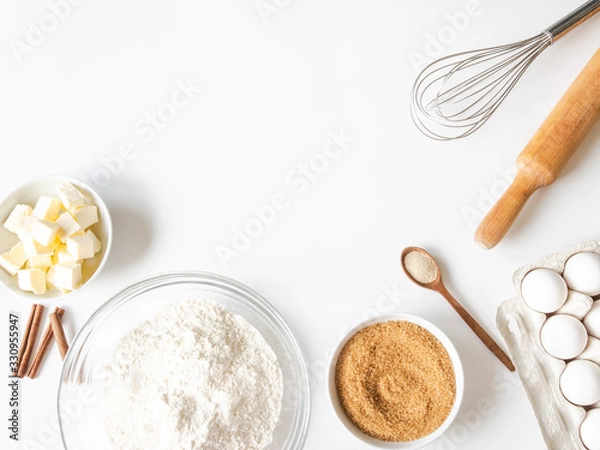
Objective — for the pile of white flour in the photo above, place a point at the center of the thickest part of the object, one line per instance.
(193, 377)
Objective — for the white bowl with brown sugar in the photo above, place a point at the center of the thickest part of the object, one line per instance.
(396, 382)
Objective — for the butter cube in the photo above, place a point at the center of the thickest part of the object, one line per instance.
(32, 280)
(63, 256)
(50, 278)
(68, 226)
(67, 276)
(80, 246)
(95, 241)
(14, 221)
(13, 260)
(44, 232)
(58, 248)
(34, 248)
(47, 208)
(86, 215)
(70, 196)
(40, 262)
(24, 229)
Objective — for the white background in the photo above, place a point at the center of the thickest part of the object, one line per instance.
(274, 86)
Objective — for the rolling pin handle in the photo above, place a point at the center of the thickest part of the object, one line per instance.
(503, 214)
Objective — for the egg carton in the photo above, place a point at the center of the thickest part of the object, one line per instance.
(539, 372)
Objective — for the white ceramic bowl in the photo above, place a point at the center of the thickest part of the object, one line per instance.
(29, 193)
(458, 371)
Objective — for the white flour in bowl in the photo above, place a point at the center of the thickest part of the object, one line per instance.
(194, 376)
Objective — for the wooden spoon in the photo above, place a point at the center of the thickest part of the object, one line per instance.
(434, 282)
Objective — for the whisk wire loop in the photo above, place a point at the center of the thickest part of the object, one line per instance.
(455, 95)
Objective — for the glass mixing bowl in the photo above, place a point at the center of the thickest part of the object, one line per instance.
(81, 405)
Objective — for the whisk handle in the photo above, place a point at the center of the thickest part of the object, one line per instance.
(569, 22)
(548, 151)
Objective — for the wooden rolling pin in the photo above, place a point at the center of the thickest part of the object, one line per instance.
(542, 160)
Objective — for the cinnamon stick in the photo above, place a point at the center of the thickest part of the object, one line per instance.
(45, 344)
(59, 335)
(28, 342)
(25, 338)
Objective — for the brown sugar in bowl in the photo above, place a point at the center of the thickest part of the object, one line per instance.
(396, 382)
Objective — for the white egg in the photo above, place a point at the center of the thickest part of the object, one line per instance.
(582, 273)
(590, 430)
(592, 320)
(580, 382)
(544, 290)
(563, 336)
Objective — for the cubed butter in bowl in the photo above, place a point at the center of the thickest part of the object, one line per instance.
(55, 237)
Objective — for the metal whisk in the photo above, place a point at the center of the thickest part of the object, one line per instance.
(455, 95)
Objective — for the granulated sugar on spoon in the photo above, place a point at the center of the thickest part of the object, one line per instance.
(420, 267)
